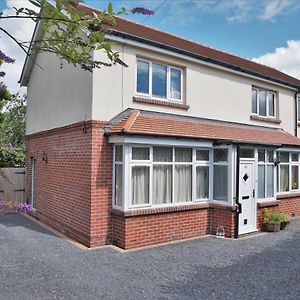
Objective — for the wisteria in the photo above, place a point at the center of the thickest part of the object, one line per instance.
(6, 58)
(23, 207)
(2, 74)
(142, 11)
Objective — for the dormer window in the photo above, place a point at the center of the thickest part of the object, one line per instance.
(159, 81)
(263, 102)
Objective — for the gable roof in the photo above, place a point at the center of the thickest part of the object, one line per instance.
(140, 122)
(155, 37)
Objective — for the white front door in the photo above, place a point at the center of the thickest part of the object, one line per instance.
(247, 218)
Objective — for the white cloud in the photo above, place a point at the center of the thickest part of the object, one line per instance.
(22, 30)
(276, 7)
(285, 59)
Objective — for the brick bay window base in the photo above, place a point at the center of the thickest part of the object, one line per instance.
(69, 181)
(155, 226)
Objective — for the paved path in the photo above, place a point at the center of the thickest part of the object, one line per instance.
(35, 264)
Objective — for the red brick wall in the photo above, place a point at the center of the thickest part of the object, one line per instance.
(149, 229)
(73, 190)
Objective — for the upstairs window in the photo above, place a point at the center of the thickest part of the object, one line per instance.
(159, 80)
(263, 102)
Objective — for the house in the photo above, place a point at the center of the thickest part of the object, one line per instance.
(183, 140)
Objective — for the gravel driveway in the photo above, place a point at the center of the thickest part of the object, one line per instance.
(35, 264)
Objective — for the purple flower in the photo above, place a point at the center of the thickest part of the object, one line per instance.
(142, 11)
(2, 205)
(6, 58)
(24, 207)
(2, 74)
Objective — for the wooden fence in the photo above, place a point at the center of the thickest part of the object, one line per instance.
(12, 185)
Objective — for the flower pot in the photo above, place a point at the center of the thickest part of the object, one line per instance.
(283, 225)
(273, 226)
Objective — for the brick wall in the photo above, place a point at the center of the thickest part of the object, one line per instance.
(289, 206)
(73, 190)
(155, 227)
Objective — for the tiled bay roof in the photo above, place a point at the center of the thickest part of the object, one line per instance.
(146, 34)
(136, 122)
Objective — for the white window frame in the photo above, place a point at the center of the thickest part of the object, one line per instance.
(290, 163)
(168, 88)
(267, 102)
(114, 176)
(298, 107)
(265, 164)
(129, 163)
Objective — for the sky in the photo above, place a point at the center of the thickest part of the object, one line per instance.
(266, 31)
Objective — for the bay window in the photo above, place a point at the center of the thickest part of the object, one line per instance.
(263, 102)
(288, 172)
(159, 80)
(160, 175)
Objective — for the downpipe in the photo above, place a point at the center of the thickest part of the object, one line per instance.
(237, 193)
(296, 112)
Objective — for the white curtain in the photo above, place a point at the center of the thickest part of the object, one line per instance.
(202, 182)
(183, 183)
(140, 185)
(284, 178)
(261, 181)
(270, 181)
(183, 154)
(221, 182)
(162, 184)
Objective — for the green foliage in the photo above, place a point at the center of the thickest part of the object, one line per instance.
(274, 216)
(14, 157)
(72, 34)
(12, 132)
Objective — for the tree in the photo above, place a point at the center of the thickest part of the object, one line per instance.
(70, 32)
(12, 132)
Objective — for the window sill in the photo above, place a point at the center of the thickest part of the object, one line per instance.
(168, 103)
(265, 119)
(171, 209)
(288, 195)
(268, 203)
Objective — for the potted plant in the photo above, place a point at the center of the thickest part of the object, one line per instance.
(284, 221)
(265, 217)
(274, 221)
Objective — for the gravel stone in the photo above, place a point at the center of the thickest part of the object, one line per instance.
(36, 264)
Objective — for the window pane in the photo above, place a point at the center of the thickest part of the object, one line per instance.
(140, 153)
(221, 183)
(183, 183)
(295, 180)
(220, 155)
(262, 103)
(162, 184)
(119, 153)
(284, 179)
(271, 99)
(295, 156)
(270, 181)
(140, 185)
(261, 155)
(254, 101)
(175, 84)
(159, 80)
(202, 182)
(142, 77)
(118, 185)
(270, 156)
(283, 156)
(247, 153)
(261, 182)
(298, 109)
(162, 154)
(202, 155)
(183, 154)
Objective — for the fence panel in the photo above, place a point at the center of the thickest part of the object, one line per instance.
(12, 185)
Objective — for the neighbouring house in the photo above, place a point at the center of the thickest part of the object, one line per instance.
(184, 139)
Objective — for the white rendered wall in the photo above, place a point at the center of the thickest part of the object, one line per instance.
(57, 96)
(210, 93)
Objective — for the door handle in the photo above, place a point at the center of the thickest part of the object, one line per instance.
(245, 197)
(253, 193)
